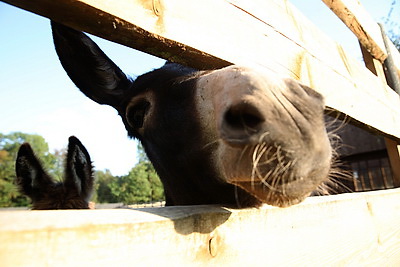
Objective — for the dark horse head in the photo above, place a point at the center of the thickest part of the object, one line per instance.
(229, 136)
(46, 194)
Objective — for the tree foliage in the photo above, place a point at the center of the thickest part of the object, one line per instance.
(141, 185)
(104, 181)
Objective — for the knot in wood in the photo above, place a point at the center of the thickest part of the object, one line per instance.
(214, 245)
(157, 7)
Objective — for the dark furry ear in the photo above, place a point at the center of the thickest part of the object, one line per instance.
(97, 76)
(79, 169)
(30, 173)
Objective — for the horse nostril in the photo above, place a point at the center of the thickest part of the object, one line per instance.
(243, 116)
(241, 122)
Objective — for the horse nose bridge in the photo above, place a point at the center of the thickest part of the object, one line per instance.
(246, 103)
(239, 101)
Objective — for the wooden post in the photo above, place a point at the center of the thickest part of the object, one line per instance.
(392, 147)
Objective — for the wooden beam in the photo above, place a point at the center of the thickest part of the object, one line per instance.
(392, 147)
(355, 229)
(263, 34)
(396, 57)
(360, 22)
(109, 25)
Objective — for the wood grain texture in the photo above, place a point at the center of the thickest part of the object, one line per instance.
(392, 146)
(358, 229)
(361, 23)
(393, 149)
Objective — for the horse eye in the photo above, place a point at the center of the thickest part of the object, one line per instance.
(135, 114)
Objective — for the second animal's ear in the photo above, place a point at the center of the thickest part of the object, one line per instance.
(97, 76)
(79, 169)
(31, 176)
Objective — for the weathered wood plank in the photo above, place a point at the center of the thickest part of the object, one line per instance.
(360, 22)
(392, 147)
(264, 34)
(356, 229)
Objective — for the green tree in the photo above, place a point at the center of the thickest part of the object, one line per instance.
(157, 189)
(141, 185)
(134, 187)
(9, 195)
(103, 193)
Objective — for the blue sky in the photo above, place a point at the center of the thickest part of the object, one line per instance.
(36, 95)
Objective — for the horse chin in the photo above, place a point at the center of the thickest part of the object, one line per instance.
(280, 183)
(272, 196)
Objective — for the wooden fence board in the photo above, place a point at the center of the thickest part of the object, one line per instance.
(360, 22)
(392, 147)
(358, 229)
(264, 34)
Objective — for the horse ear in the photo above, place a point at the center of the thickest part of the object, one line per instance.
(30, 173)
(97, 76)
(79, 169)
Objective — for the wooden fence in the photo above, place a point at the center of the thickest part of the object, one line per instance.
(357, 229)
(348, 229)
